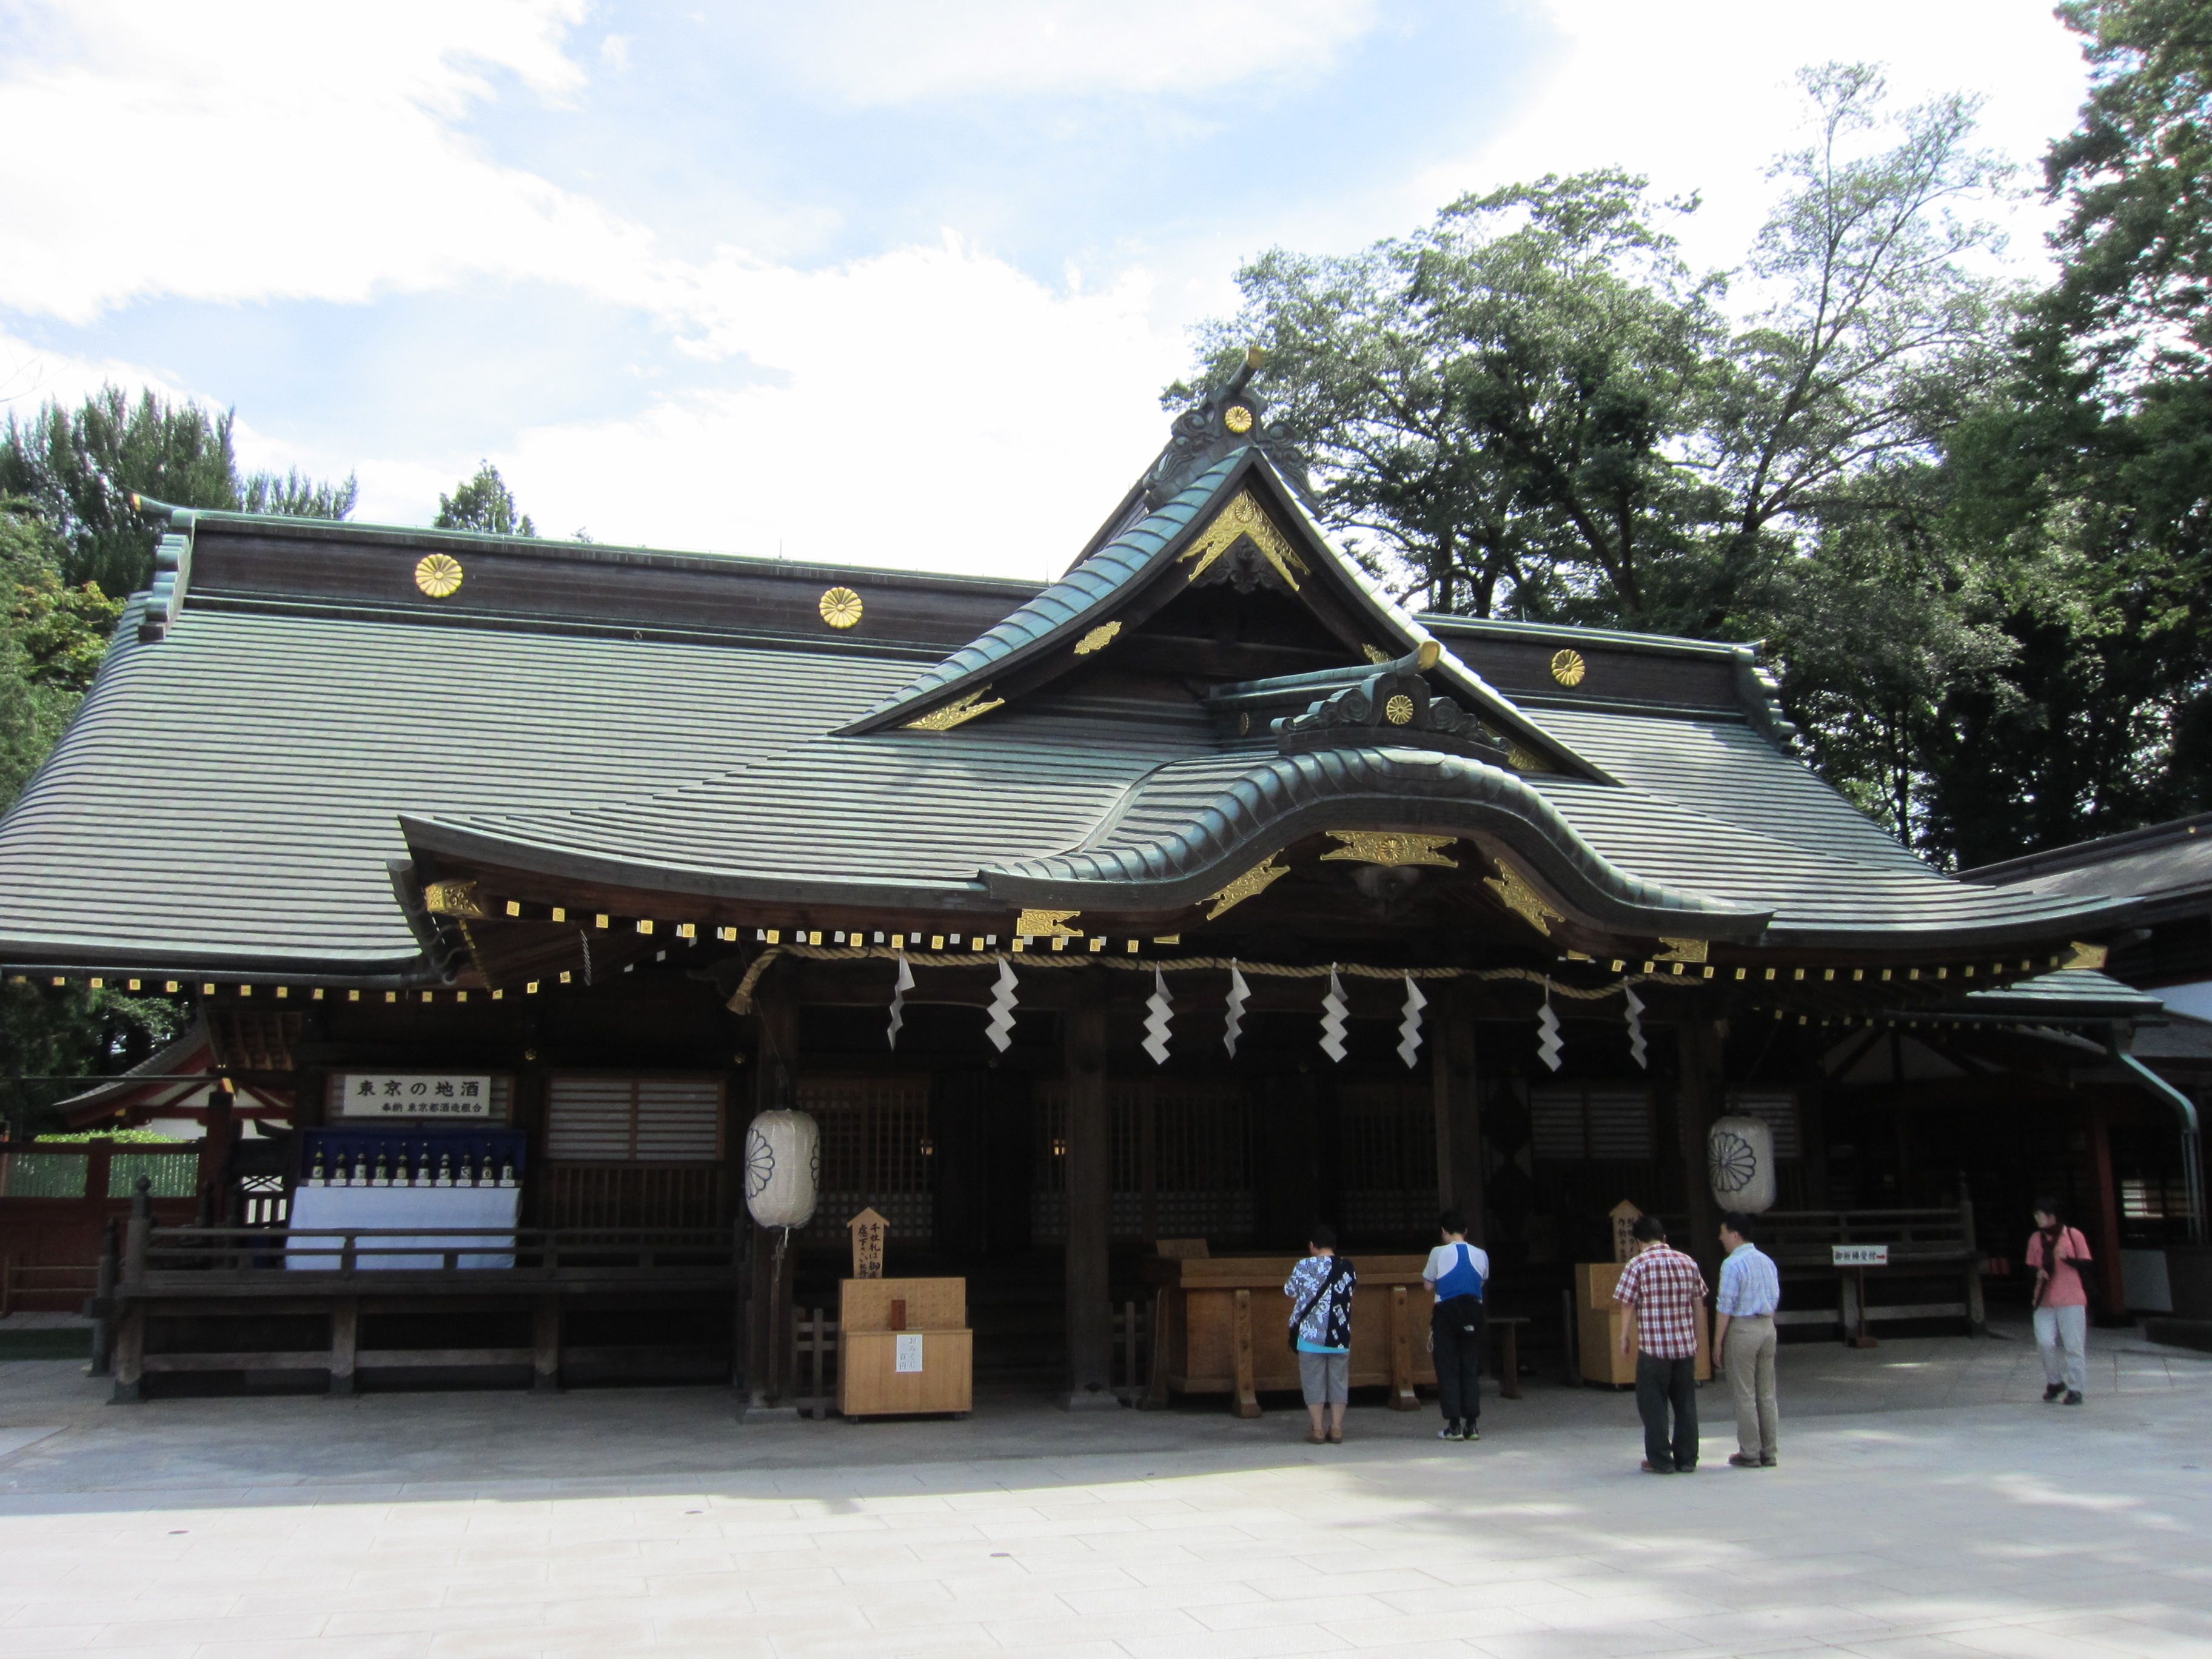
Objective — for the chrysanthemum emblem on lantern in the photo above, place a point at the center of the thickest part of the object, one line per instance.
(1740, 1163)
(783, 1168)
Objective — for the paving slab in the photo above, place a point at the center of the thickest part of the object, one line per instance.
(1928, 1504)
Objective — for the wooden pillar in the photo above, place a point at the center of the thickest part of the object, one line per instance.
(769, 1333)
(214, 1159)
(1697, 1050)
(2107, 1249)
(1090, 1176)
(1458, 1106)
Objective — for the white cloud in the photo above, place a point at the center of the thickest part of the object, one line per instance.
(932, 407)
(305, 152)
(895, 52)
(1700, 96)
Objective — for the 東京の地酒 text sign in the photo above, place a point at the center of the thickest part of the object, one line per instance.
(415, 1094)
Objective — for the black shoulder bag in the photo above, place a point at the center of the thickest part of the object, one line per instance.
(1299, 1318)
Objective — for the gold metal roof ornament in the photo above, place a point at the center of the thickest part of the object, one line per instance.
(841, 608)
(1047, 924)
(437, 574)
(1098, 639)
(958, 712)
(1522, 758)
(1691, 951)
(1260, 876)
(452, 898)
(1390, 848)
(1243, 517)
(1568, 667)
(1514, 891)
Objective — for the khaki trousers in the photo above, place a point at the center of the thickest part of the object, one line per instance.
(1749, 1357)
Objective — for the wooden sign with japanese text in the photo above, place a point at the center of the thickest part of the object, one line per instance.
(867, 1229)
(414, 1094)
(1624, 1217)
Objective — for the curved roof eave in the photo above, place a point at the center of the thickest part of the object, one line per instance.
(1284, 798)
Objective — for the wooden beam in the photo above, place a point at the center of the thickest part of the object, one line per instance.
(1090, 1177)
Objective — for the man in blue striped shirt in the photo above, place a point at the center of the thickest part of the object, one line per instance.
(1743, 1338)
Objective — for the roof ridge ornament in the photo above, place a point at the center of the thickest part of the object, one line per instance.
(1231, 416)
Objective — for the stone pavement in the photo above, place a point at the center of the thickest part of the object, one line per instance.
(1927, 1504)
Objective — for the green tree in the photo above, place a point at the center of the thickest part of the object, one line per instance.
(1491, 399)
(1877, 334)
(51, 637)
(81, 467)
(484, 503)
(2093, 463)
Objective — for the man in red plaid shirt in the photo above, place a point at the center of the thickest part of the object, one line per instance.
(1660, 1293)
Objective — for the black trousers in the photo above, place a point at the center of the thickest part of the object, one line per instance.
(1661, 1383)
(1456, 1337)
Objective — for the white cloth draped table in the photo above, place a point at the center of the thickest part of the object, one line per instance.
(428, 1212)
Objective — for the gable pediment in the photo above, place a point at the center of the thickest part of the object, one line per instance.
(1227, 584)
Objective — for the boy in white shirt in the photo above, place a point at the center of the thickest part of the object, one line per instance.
(1459, 1274)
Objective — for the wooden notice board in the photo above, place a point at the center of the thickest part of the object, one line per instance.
(904, 1347)
(1597, 1327)
(1226, 1324)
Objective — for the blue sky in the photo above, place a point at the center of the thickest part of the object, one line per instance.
(818, 280)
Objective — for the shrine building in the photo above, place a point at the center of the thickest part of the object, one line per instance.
(1200, 895)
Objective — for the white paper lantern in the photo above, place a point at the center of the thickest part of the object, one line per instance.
(1740, 1163)
(783, 1168)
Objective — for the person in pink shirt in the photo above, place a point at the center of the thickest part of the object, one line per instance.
(2058, 1253)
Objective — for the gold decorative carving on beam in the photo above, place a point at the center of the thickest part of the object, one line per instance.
(1513, 889)
(2086, 956)
(1568, 667)
(437, 574)
(1684, 950)
(841, 607)
(958, 712)
(452, 898)
(1391, 848)
(1047, 924)
(1260, 876)
(1245, 517)
(1098, 639)
(1522, 758)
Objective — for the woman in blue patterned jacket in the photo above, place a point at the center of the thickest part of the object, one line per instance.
(1320, 1289)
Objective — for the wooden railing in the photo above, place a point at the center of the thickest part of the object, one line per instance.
(22, 1281)
(202, 1259)
(631, 1194)
(1926, 1243)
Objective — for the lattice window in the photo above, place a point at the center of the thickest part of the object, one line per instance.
(873, 1131)
(1196, 1180)
(1777, 1109)
(655, 1118)
(1598, 1122)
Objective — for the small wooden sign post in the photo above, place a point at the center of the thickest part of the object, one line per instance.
(867, 1229)
(1858, 1258)
(1624, 1217)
